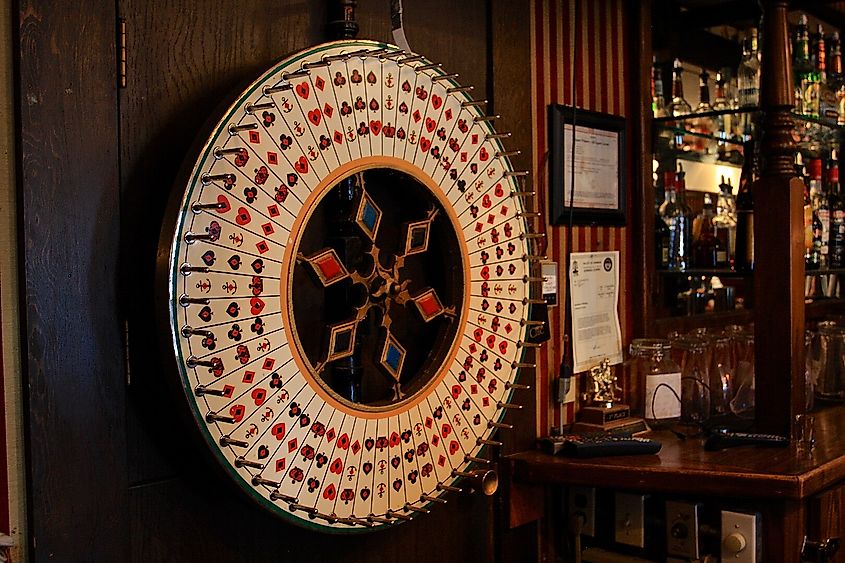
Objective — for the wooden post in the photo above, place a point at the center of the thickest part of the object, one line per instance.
(778, 242)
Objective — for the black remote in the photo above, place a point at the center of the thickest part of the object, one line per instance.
(596, 446)
(722, 440)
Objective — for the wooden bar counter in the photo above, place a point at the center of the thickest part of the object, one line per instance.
(797, 493)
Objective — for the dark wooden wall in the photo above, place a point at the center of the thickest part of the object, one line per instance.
(113, 471)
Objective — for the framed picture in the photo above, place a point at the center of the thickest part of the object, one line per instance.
(599, 190)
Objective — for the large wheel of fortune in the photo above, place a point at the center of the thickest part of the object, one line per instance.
(347, 271)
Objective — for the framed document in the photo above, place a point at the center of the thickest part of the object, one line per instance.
(599, 190)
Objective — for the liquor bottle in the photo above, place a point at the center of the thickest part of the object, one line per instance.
(744, 256)
(748, 75)
(705, 125)
(722, 122)
(676, 215)
(725, 219)
(662, 238)
(658, 102)
(834, 66)
(836, 249)
(707, 250)
(821, 205)
(812, 225)
(828, 106)
(821, 213)
(679, 106)
(801, 65)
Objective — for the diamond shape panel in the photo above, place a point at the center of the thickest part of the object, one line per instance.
(368, 216)
(327, 266)
(392, 356)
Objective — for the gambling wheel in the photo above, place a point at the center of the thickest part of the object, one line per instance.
(347, 278)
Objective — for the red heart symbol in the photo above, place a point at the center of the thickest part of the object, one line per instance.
(259, 395)
(243, 216)
(314, 116)
(424, 144)
(485, 273)
(445, 430)
(303, 90)
(336, 467)
(503, 346)
(485, 201)
(279, 431)
(491, 341)
(301, 165)
(499, 191)
(329, 493)
(224, 204)
(436, 101)
(477, 334)
(375, 127)
(454, 447)
(483, 155)
(430, 124)
(256, 305)
(237, 412)
(456, 391)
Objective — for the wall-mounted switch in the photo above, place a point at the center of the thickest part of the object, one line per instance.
(630, 519)
(682, 529)
(740, 537)
(582, 503)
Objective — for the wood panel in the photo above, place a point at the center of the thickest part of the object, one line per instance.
(67, 165)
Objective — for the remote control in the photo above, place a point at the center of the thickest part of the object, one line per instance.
(722, 440)
(601, 445)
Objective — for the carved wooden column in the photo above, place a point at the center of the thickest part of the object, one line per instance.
(778, 242)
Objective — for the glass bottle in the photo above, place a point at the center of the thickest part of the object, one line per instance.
(748, 75)
(675, 214)
(707, 250)
(725, 219)
(812, 224)
(658, 377)
(658, 101)
(821, 205)
(679, 106)
(722, 122)
(744, 252)
(834, 67)
(801, 64)
(662, 239)
(836, 245)
(705, 125)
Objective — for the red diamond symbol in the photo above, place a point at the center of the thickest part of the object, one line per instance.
(227, 390)
(504, 210)
(441, 461)
(280, 465)
(269, 363)
(417, 116)
(463, 157)
(268, 229)
(508, 328)
(485, 401)
(249, 376)
(475, 138)
(254, 137)
(448, 114)
(329, 267)
(330, 435)
(478, 227)
(262, 246)
(292, 445)
(435, 439)
(428, 422)
(473, 389)
(429, 305)
(273, 210)
(328, 110)
(320, 83)
(355, 447)
(272, 158)
(491, 218)
(472, 348)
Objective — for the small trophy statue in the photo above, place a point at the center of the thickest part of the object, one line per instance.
(605, 413)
